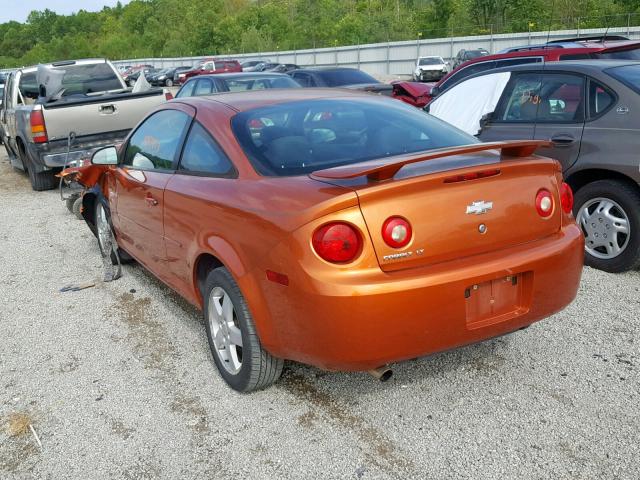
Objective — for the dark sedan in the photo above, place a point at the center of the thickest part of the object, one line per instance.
(167, 77)
(340, 77)
(590, 112)
(234, 82)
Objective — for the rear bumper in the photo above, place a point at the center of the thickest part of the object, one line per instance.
(47, 156)
(420, 311)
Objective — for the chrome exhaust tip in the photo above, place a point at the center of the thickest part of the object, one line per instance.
(383, 373)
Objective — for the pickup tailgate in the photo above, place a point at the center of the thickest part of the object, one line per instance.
(454, 215)
(93, 115)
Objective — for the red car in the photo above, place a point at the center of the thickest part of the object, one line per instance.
(585, 48)
(211, 66)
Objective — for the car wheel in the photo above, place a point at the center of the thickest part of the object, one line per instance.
(608, 212)
(40, 181)
(234, 342)
(169, 83)
(69, 202)
(106, 238)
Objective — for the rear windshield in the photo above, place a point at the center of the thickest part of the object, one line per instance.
(338, 78)
(431, 61)
(298, 138)
(77, 80)
(630, 54)
(628, 74)
(476, 53)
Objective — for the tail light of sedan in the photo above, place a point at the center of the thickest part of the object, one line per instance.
(396, 232)
(544, 203)
(337, 242)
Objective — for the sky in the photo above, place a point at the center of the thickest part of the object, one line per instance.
(19, 9)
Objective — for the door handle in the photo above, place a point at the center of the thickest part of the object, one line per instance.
(152, 202)
(108, 109)
(562, 140)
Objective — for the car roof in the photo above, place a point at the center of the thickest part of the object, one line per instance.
(248, 100)
(241, 75)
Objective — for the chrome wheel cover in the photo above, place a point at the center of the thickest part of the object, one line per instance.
(606, 227)
(226, 336)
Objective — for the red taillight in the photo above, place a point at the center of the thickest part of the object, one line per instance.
(566, 198)
(544, 203)
(472, 176)
(38, 128)
(396, 232)
(168, 96)
(337, 242)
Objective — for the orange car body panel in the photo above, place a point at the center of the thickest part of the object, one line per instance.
(464, 287)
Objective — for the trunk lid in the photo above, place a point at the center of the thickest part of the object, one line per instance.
(446, 212)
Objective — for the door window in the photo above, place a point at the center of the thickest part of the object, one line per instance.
(156, 142)
(548, 98)
(203, 155)
(600, 99)
(186, 90)
(204, 87)
(304, 79)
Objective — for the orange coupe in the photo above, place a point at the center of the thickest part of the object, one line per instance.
(334, 228)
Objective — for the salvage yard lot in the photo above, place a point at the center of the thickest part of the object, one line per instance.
(118, 382)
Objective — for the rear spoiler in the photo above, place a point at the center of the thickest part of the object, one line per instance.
(385, 168)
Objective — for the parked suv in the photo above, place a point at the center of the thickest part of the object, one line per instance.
(610, 47)
(466, 55)
(589, 111)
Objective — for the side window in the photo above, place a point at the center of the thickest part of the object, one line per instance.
(155, 143)
(208, 66)
(466, 72)
(521, 100)
(600, 98)
(186, 90)
(204, 87)
(576, 56)
(510, 62)
(548, 98)
(304, 79)
(203, 155)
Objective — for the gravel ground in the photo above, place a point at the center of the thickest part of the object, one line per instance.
(118, 382)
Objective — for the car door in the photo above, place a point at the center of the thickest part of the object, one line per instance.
(146, 165)
(561, 115)
(542, 106)
(204, 174)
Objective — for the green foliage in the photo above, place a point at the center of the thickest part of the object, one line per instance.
(151, 28)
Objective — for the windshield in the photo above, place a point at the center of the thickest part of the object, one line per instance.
(339, 78)
(629, 54)
(628, 74)
(298, 138)
(431, 61)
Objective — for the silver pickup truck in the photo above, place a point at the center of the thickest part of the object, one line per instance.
(91, 107)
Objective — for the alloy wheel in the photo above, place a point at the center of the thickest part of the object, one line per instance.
(226, 334)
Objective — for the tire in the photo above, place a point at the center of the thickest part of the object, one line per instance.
(168, 83)
(609, 209)
(76, 210)
(40, 181)
(108, 230)
(247, 367)
(70, 201)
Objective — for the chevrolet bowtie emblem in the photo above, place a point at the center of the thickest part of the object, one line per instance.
(479, 207)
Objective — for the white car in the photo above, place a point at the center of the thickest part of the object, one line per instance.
(430, 69)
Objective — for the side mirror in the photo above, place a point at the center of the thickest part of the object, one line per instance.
(435, 91)
(485, 119)
(105, 156)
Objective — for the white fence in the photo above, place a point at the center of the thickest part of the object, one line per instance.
(395, 58)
